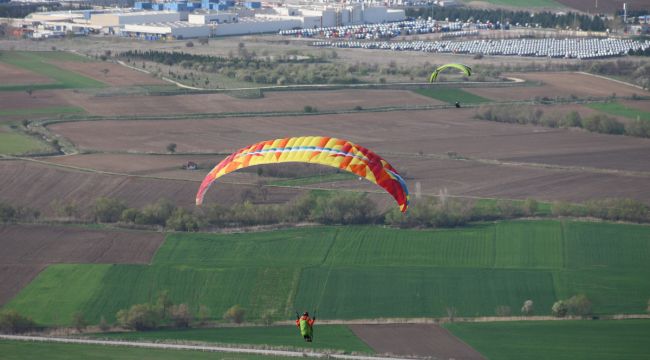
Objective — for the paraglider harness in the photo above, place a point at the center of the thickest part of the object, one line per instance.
(306, 326)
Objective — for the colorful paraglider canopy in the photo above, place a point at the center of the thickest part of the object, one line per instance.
(464, 68)
(323, 150)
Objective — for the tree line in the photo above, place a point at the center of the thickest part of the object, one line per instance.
(598, 123)
(545, 19)
(323, 208)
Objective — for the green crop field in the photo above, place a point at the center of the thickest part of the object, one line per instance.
(618, 109)
(365, 272)
(451, 95)
(335, 337)
(570, 340)
(16, 144)
(37, 63)
(23, 350)
(51, 110)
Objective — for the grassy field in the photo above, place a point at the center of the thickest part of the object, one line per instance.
(365, 272)
(451, 95)
(16, 144)
(335, 337)
(37, 63)
(570, 340)
(19, 350)
(614, 108)
(51, 110)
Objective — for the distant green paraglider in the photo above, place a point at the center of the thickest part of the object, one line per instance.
(464, 68)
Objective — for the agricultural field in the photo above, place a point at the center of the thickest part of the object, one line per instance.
(20, 350)
(16, 144)
(593, 340)
(37, 62)
(365, 272)
(606, 7)
(618, 109)
(332, 337)
(452, 95)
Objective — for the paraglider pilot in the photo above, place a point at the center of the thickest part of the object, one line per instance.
(306, 326)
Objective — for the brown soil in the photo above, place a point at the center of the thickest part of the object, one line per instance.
(36, 185)
(424, 340)
(26, 250)
(117, 75)
(636, 104)
(429, 132)
(562, 84)
(11, 75)
(272, 101)
(605, 6)
(10, 100)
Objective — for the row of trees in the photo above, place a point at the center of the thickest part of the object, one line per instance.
(545, 19)
(323, 208)
(598, 123)
(150, 316)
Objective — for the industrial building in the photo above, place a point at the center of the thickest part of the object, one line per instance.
(167, 30)
(187, 19)
(118, 19)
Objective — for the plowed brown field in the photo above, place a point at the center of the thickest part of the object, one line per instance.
(11, 75)
(562, 84)
(17, 100)
(117, 75)
(272, 101)
(26, 250)
(421, 340)
(37, 185)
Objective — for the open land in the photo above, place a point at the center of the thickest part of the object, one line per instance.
(272, 101)
(15, 350)
(27, 250)
(47, 183)
(606, 7)
(364, 272)
(557, 84)
(116, 75)
(415, 340)
(593, 340)
(12, 75)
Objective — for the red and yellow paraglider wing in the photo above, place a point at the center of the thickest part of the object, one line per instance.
(328, 151)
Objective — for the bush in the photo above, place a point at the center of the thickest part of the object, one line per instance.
(108, 210)
(103, 325)
(79, 321)
(571, 119)
(180, 315)
(579, 305)
(204, 314)
(603, 124)
(344, 209)
(7, 213)
(11, 322)
(139, 317)
(182, 220)
(528, 308)
(559, 309)
(503, 310)
(310, 109)
(235, 314)
(156, 214)
(189, 44)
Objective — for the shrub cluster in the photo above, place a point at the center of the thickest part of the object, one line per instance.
(598, 123)
(578, 305)
(11, 322)
(149, 316)
(10, 214)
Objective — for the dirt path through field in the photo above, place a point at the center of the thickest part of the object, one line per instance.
(425, 340)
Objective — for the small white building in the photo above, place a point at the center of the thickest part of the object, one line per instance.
(167, 30)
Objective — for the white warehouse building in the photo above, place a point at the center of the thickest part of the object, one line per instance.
(256, 25)
(140, 17)
(167, 30)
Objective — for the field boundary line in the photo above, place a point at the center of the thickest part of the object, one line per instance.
(610, 79)
(206, 348)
